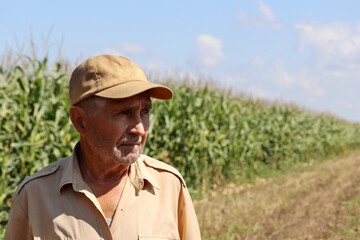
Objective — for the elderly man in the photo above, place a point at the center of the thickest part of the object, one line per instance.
(106, 189)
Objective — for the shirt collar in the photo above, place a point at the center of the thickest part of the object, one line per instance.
(72, 174)
(138, 172)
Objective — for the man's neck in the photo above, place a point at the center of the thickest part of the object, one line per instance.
(99, 173)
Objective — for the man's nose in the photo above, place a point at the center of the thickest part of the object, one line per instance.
(138, 127)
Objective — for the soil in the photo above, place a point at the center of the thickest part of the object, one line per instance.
(320, 201)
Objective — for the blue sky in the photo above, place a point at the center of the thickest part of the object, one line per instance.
(305, 52)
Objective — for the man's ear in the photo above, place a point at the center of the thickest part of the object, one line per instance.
(77, 116)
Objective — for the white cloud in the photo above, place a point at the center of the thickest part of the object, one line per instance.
(113, 51)
(302, 81)
(309, 81)
(258, 62)
(276, 26)
(126, 48)
(242, 17)
(335, 74)
(281, 76)
(269, 15)
(335, 48)
(256, 92)
(208, 51)
(311, 100)
(318, 92)
(328, 37)
(346, 105)
(233, 79)
(266, 18)
(312, 88)
(156, 66)
(332, 69)
(132, 47)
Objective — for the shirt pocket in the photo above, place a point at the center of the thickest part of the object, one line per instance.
(156, 238)
(63, 238)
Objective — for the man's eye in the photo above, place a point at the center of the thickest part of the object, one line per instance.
(126, 113)
(146, 111)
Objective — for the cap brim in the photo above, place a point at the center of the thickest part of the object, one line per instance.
(133, 88)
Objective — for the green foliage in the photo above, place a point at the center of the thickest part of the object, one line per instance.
(207, 135)
(34, 123)
(210, 136)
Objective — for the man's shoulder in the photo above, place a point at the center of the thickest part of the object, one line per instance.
(46, 171)
(161, 166)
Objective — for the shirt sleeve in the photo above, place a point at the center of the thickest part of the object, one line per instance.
(188, 224)
(18, 226)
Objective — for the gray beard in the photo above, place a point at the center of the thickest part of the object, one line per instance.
(119, 153)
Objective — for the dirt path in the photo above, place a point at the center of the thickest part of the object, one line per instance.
(316, 202)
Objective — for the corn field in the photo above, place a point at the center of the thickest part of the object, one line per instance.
(209, 136)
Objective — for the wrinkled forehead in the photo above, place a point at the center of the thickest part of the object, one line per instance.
(139, 100)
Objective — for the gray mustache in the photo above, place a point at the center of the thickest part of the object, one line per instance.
(131, 140)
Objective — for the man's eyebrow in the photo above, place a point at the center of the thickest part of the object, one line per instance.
(132, 107)
(148, 104)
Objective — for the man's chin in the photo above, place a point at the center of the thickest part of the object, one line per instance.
(129, 158)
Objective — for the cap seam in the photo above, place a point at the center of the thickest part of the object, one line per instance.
(120, 84)
(97, 78)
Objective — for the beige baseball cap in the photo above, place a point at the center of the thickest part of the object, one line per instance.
(111, 77)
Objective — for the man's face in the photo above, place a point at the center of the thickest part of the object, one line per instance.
(118, 128)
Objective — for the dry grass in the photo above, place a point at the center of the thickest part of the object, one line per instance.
(316, 202)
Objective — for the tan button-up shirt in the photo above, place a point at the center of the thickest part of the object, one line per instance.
(56, 203)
